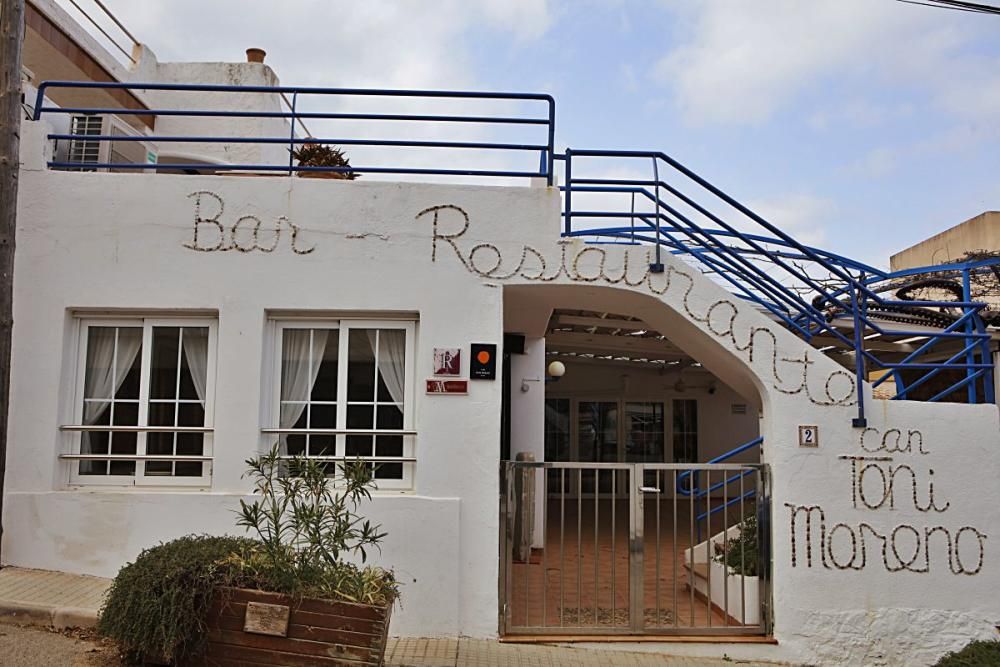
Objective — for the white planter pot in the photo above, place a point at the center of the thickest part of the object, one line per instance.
(736, 595)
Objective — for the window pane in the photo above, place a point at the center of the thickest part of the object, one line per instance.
(126, 414)
(95, 442)
(190, 444)
(162, 414)
(389, 417)
(194, 362)
(159, 468)
(296, 444)
(557, 429)
(163, 371)
(323, 416)
(188, 468)
(360, 416)
(325, 386)
(391, 364)
(190, 414)
(123, 443)
(126, 468)
(361, 366)
(359, 445)
(322, 445)
(100, 352)
(159, 444)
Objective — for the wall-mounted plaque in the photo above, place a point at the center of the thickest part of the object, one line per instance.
(483, 364)
(448, 387)
(808, 436)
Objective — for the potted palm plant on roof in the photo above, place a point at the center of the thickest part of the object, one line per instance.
(311, 154)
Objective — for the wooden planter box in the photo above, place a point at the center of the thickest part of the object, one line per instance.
(249, 628)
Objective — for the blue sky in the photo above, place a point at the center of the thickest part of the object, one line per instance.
(861, 125)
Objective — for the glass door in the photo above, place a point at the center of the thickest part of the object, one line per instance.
(597, 440)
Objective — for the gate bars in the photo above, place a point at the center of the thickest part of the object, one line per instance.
(616, 549)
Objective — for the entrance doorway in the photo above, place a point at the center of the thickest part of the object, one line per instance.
(653, 555)
(631, 514)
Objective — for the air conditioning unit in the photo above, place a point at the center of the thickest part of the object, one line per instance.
(95, 151)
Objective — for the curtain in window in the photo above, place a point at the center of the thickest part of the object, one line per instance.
(101, 382)
(391, 359)
(195, 343)
(301, 354)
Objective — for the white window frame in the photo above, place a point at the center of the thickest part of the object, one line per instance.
(344, 326)
(76, 429)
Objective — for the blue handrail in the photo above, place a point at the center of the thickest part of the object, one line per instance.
(545, 147)
(696, 493)
(848, 307)
(732, 250)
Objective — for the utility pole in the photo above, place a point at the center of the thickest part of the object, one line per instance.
(11, 36)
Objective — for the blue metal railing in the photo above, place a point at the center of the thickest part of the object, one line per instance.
(762, 263)
(822, 296)
(543, 146)
(688, 484)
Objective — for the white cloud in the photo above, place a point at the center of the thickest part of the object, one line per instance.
(876, 163)
(744, 61)
(800, 215)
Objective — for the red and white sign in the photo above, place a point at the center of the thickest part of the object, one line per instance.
(447, 386)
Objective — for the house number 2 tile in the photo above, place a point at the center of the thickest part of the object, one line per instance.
(808, 436)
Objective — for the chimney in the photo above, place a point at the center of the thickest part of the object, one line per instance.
(255, 55)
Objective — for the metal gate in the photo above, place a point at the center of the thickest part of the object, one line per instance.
(622, 548)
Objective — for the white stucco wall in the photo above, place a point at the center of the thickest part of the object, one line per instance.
(104, 241)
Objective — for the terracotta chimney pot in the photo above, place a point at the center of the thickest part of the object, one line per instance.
(255, 55)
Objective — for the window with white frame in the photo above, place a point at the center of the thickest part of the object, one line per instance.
(344, 391)
(143, 408)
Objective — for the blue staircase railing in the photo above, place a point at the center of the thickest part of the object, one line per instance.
(837, 304)
(848, 305)
(688, 485)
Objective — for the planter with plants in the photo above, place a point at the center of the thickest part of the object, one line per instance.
(291, 594)
(323, 155)
(724, 570)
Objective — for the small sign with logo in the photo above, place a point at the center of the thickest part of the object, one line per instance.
(808, 436)
(448, 387)
(483, 365)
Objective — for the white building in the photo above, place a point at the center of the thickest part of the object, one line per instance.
(170, 325)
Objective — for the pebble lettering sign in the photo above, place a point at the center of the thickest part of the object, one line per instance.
(878, 482)
(246, 234)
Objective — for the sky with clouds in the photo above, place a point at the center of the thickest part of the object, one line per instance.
(862, 125)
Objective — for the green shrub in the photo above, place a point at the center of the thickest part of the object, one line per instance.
(157, 605)
(307, 533)
(976, 654)
(741, 554)
(307, 527)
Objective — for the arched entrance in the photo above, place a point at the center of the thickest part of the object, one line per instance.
(631, 476)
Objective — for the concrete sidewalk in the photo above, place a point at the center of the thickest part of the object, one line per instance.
(60, 600)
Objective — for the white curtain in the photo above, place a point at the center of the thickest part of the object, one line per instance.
(298, 375)
(101, 382)
(195, 342)
(391, 359)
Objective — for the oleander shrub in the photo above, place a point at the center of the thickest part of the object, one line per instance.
(976, 654)
(306, 540)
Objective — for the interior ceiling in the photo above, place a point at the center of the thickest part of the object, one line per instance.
(611, 338)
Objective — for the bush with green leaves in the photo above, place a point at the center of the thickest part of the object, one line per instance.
(157, 606)
(976, 654)
(306, 536)
(310, 532)
(740, 553)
